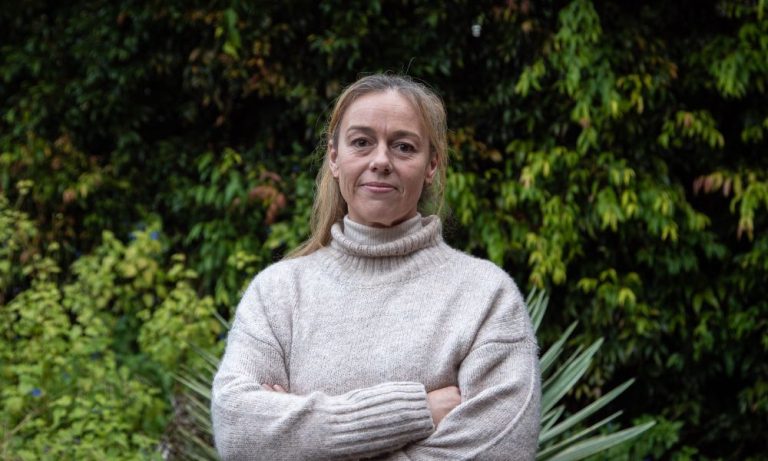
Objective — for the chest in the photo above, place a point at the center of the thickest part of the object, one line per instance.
(348, 338)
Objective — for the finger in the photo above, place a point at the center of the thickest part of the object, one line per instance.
(280, 388)
(267, 387)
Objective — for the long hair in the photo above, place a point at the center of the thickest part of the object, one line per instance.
(329, 206)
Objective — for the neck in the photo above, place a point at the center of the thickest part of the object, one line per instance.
(371, 256)
(374, 235)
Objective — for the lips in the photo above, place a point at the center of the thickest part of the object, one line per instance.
(378, 187)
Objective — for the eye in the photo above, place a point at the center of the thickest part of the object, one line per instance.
(405, 148)
(360, 143)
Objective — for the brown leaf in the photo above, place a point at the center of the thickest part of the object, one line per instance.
(69, 196)
(270, 175)
(263, 192)
(687, 120)
(697, 183)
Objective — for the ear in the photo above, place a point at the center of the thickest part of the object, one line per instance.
(332, 154)
(431, 169)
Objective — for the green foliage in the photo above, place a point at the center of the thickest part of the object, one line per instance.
(611, 153)
(194, 440)
(18, 235)
(654, 444)
(86, 363)
(563, 437)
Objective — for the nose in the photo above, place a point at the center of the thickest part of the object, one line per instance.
(380, 161)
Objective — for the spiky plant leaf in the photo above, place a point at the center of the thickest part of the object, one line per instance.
(555, 440)
(207, 452)
(568, 378)
(195, 385)
(555, 350)
(546, 453)
(547, 433)
(597, 444)
(537, 301)
(550, 418)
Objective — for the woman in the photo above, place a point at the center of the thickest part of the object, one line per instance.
(376, 339)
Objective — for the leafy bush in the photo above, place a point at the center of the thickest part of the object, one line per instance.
(86, 364)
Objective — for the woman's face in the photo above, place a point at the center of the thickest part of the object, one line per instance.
(382, 159)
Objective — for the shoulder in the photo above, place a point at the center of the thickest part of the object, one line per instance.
(272, 293)
(285, 277)
(277, 273)
(291, 268)
(276, 283)
(490, 285)
(503, 310)
(482, 271)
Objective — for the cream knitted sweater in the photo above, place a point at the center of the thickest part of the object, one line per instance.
(358, 333)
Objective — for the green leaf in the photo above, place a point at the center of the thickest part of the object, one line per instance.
(571, 374)
(554, 351)
(547, 434)
(546, 453)
(594, 445)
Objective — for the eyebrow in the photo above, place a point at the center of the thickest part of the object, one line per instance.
(397, 134)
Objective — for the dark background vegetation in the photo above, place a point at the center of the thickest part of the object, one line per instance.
(154, 155)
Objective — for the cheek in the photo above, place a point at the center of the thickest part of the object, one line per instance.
(347, 175)
(416, 180)
(347, 188)
(416, 191)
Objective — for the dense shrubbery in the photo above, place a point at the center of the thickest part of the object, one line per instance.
(87, 357)
(611, 153)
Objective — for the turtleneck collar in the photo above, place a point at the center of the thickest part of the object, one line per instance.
(370, 256)
(411, 235)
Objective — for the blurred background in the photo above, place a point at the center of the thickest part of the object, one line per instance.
(155, 155)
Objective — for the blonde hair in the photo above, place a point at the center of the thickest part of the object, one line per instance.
(329, 206)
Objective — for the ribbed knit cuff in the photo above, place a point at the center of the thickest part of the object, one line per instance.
(378, 418)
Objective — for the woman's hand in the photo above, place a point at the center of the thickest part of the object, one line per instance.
(274, 388)
(442, 401)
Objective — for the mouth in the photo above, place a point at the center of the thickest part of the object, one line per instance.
(378, 187)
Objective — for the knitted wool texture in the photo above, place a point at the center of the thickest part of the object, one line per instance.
(358, 333)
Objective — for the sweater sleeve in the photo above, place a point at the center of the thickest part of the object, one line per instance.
(499, 380)
(251, 423)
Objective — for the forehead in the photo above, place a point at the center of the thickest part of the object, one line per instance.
(390, 109)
